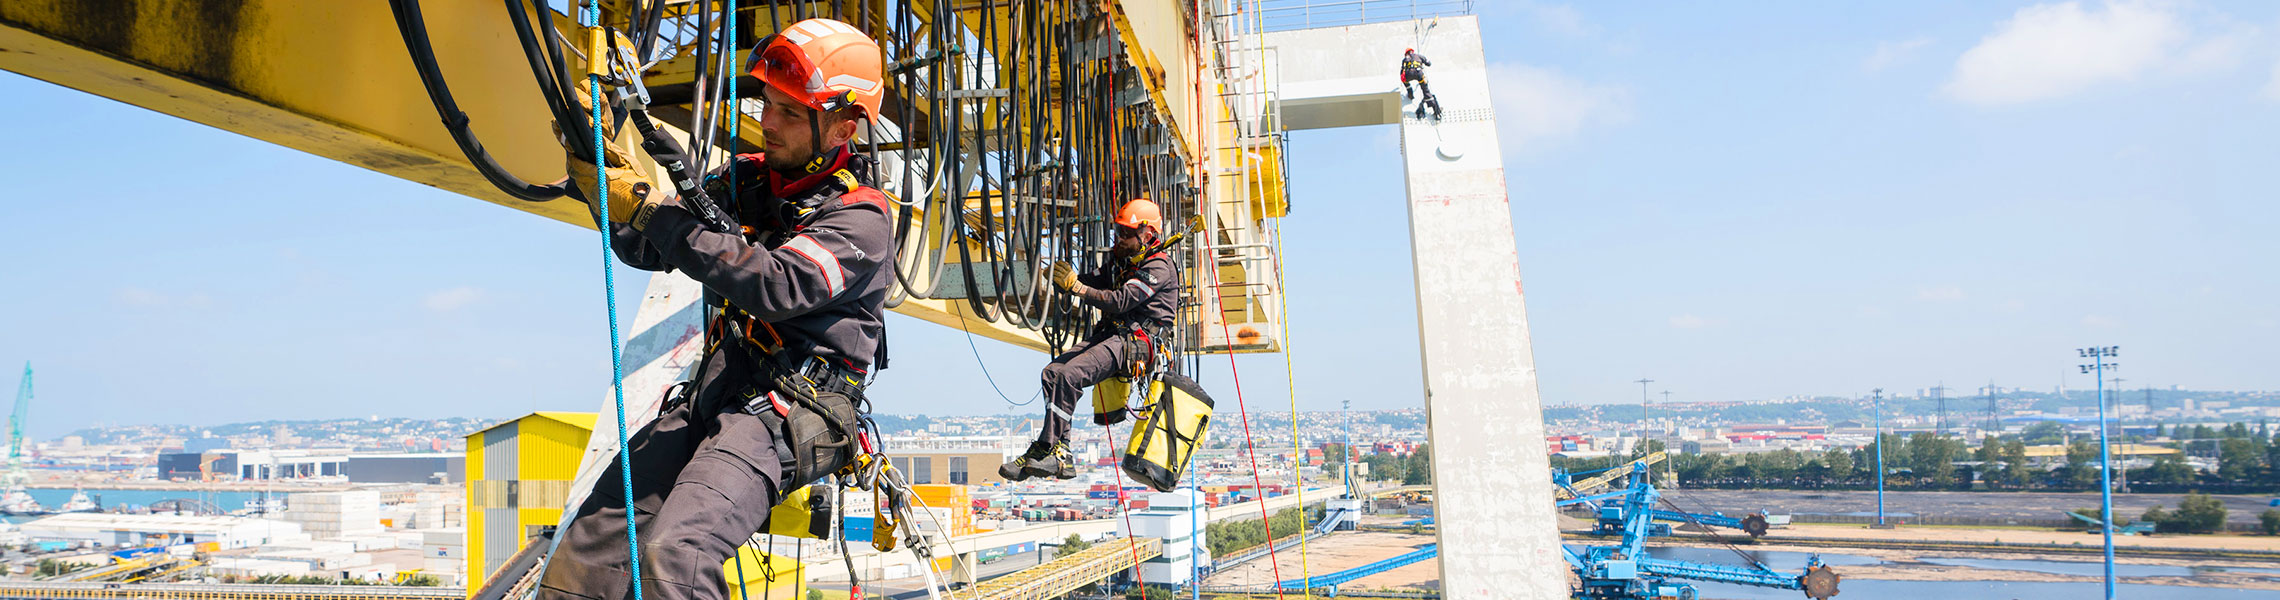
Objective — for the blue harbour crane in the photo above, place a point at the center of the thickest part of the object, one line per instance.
(1624, 570)
(15, 476)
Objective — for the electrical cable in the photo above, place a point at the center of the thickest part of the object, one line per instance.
(412, 27)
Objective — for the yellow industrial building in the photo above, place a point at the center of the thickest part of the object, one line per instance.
(518, 480)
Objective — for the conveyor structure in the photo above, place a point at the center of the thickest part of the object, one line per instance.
(1626, 571)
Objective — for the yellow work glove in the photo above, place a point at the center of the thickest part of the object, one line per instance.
(631, 187)
(1064, 276)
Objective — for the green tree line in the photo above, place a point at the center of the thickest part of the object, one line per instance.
(2248, 461)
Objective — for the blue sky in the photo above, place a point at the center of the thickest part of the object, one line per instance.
(1740, 202)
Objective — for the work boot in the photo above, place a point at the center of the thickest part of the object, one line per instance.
(1041, 459)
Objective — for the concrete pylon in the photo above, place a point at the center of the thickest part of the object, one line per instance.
(1491, 472)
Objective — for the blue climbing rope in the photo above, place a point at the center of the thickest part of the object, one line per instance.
(735, 112)
(593, 18)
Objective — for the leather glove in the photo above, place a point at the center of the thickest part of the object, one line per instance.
(1065, 276)
(631, 187)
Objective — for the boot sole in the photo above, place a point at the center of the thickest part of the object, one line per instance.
(1064, 475)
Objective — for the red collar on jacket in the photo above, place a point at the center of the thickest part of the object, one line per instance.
(818, 172)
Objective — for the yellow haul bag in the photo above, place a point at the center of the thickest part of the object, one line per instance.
(1110, 395)
(1179, 413)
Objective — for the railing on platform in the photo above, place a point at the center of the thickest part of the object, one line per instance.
(1412, 557)
(1285, 15)
(12, 590)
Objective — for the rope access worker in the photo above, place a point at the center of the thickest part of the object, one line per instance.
(1137, 291)
(794, 298)
(1413, 71)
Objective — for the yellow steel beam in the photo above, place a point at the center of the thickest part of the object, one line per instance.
(328, 78)
(332, 79)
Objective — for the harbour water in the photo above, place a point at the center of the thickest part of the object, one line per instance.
(1792, 562)
(109, 499)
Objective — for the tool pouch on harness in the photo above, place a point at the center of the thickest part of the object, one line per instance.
(1111, 396)
(815, 421)
(814, 408)
(1178, 417)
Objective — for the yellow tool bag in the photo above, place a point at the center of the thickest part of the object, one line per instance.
(1177, 417)
(804, 513)
(1108, 400)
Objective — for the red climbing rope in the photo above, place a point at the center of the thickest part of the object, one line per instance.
(1126, 510)
(1249, 449)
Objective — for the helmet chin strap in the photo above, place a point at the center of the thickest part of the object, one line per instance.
(815, 137)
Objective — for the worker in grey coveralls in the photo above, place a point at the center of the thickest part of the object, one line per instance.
(794, 289)
(1137, 292)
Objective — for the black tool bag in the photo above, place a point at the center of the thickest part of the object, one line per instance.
(816, 413)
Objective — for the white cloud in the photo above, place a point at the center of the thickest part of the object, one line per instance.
(1689, 322)
(1536, 106)
(453, 299)
(2272, 87)
(1891, 53)
(2051, 50)
(1945, 293)
(2218, 53)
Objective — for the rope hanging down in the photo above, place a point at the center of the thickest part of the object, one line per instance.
(593, 22)
(1305, 571)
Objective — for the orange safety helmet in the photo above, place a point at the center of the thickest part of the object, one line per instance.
(1138, 213)
(828, 65)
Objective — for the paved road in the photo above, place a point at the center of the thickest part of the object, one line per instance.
(1986, 505)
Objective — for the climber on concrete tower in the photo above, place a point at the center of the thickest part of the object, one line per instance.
(1137, 292)
(1413, 71)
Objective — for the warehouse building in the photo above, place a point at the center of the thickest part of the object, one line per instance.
(117, 530)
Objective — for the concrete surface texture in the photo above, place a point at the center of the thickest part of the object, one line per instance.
(1480, 374)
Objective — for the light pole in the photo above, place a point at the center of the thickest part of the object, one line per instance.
(1670, 477)
(2098, 365)
(2125, 466)
(1643, 400)
(1347, 407)
(1878, 407)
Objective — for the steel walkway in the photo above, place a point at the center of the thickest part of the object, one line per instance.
(1066, 574)
(12, 590)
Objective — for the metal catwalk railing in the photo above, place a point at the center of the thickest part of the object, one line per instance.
(1066, 574)
(1285, 15)
(10, 590)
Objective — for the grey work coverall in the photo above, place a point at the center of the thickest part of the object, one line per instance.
(1413, 70)
(1146, 294)
(706, 472)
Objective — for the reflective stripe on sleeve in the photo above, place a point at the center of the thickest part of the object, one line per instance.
(825, 262)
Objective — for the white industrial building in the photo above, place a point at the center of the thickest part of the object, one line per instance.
(335, 515)
(107, 529)
(1173, 517)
